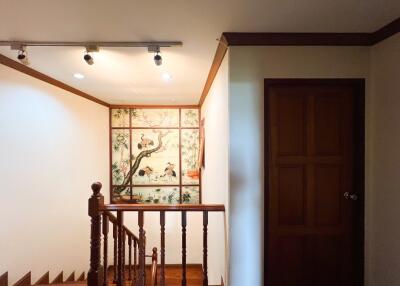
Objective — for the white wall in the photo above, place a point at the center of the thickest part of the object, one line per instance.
(248, 66)
(215, 174)
(384, 268)
(53, 145)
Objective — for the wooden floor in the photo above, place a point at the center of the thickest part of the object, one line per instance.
(173, 276)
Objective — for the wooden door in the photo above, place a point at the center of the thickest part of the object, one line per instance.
(312, 218)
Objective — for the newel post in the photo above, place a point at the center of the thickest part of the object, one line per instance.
(95, 275)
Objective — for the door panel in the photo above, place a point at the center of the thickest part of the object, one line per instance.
(311, 238)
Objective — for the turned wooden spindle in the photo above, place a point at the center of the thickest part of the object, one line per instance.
(115, 237)
(130, 257)
(142, 249)
(162, 250)
(120, 270)
(123, 254)
(135, 245)
(184, 223)
(105, 249)
(95, 202)
(205, 248)
(154, 267)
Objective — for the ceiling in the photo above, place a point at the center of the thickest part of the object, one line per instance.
(128, 75)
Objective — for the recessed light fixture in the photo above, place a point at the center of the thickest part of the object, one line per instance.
(79, 76)
(166, 76)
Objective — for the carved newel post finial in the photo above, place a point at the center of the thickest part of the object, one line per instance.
(96, 201)
(96, 187)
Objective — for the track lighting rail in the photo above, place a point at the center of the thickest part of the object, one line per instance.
(85, 44)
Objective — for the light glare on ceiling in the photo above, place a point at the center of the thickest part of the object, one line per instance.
(79, 76)
(166, 76)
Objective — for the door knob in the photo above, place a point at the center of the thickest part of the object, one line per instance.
(349, 196)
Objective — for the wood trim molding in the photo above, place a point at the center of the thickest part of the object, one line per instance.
(44, 280)
(40, 76)
(294, 39)
(4, 279)
(24, 281)
(219, 56)
(386, 31)
(59, 279)
(298, 39)
(116, 106)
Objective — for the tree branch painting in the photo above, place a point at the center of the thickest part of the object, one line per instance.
(138, 159)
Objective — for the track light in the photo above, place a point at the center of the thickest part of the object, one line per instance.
(157, 56)
(158, 60)
(88, 54)
(23, 56)
(88, 59)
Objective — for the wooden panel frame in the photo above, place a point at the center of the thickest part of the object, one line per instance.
(179, 128)
(358, 84)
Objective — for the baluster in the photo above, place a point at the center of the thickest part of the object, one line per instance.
(115, 229)
(105, 249)
(135, 244)
(123, 254)
(184, 223)
(130, 257)
(120, 276)
(205, 248)
(162, 251)
(142, 258)
(95, 202)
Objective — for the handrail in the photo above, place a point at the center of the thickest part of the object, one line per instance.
(113, 220)
(163, 207)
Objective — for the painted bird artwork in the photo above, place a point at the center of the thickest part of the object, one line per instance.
(145, 142)
(169, 171)
(146, 171)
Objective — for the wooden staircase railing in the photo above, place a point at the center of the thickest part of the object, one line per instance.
(98, 209)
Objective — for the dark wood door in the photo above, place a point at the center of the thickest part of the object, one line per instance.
(312, 195)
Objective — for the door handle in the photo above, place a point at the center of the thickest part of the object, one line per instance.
(349, 196)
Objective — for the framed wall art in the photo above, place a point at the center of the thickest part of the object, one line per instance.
(155, 155)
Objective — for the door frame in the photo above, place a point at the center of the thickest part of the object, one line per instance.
(358, 84)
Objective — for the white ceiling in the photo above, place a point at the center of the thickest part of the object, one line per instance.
(128, 75)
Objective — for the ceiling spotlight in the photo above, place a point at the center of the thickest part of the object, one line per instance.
(158, 60)
(157, 56)
(23, 56)
(88, 58)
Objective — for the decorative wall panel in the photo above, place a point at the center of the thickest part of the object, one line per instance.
(154, 155)
(190, 156)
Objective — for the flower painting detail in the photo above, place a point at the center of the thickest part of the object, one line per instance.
(120, 155)
(191, 195)
(162, 167)
(190, 118)
(120, 118)
(190, 155)
(155, 117)
(156, 195)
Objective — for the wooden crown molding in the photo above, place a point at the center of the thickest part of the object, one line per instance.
(40, 76)
(219, 56)
(294, 39)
